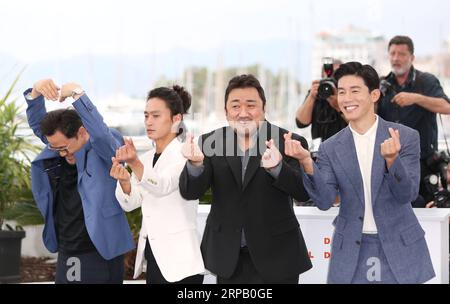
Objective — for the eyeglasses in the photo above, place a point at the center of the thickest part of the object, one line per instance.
(59, 150)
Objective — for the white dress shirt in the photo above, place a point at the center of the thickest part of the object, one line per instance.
(365, 145)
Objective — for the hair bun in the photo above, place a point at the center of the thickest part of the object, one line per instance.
(185, 97)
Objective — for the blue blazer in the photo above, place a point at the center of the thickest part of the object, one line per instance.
(337, 172)
(105, 220)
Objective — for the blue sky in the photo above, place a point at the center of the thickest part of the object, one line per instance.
(32, 31)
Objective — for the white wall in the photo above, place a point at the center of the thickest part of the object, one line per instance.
(317, 230)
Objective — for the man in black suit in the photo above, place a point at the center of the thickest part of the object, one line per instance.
(251, 234)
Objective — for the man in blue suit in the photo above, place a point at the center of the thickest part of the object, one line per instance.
(377, 237)
(72, 187)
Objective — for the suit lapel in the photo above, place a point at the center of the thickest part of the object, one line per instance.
(254, 162)
(236, 168)
(81, 159)
(45, 154)
(253, 165)
(378, 163)
(233, 160)
(346, 153)
(172, 148)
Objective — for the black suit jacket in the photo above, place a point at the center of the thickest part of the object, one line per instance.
(261, 205)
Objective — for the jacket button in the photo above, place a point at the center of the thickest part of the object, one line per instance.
(358, 243)
(361, 218)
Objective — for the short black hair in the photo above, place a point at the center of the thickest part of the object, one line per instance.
(398, 40)
(67, 121)
(245, 81)
(177, 100)
(366, 72)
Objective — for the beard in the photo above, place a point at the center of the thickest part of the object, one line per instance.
(401, 71)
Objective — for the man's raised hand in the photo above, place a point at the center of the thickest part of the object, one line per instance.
(191, 151)
(271, 157)
(119, 172)
(46, 88)
(390, 148)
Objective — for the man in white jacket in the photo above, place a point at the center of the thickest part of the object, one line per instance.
(169, 246)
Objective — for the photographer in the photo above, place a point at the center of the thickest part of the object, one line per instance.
(440, 194)
(321, 112)
(413, 98)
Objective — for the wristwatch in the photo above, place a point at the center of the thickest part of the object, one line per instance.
(77, 91)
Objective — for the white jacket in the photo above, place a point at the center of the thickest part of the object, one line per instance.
(168, 220)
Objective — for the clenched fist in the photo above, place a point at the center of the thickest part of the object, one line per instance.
(294, 149)
(405, 99)
(127, 153)
(119, 172)
(46, 88)
(67, 90)
(271, 157)
(191, 151)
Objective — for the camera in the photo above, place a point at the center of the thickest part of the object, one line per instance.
(327, 87)
(386, 87)
(442, 199)
(441, 196)
(436, 183)
(437, 163)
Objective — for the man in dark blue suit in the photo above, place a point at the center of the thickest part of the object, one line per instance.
(71, 185)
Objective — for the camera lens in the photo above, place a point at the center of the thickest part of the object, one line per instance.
(326, 89)
(433, 180)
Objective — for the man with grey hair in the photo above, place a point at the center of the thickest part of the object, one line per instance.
(412, 98)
